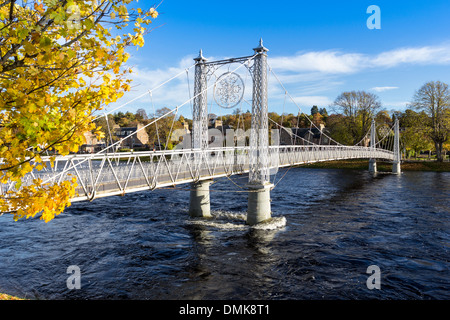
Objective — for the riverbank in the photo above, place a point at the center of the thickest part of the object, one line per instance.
(363, 164)
(8, 297)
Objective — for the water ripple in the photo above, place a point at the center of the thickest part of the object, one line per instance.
(328, 226)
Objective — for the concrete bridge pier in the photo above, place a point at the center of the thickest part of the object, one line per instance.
(372, 166)
(199, 203)
(259, 208)
(396, 167)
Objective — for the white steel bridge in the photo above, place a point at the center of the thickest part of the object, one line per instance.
(109, 173)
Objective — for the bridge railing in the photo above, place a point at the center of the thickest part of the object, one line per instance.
(107, 174)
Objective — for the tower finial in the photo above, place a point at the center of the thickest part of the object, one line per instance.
(261, 47)
(200, 57)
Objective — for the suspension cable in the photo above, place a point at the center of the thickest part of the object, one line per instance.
(145, 126)
(292, 99)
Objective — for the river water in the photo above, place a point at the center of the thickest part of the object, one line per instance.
(329, 226)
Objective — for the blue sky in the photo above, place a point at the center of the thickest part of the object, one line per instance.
(318, 49)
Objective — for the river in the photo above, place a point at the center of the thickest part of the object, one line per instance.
(329, 226)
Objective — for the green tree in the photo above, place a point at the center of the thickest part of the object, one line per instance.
(434, 99)
(414, 137)
(337, 125)
(160, 132)
(383, 118)
(323, 112)
(358, 108)
(314, 110)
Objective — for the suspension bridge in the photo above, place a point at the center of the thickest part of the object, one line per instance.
(206, 154)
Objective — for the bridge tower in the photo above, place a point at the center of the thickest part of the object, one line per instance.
(259, 185)
(199, 201)
(373, 161)
(397, 152)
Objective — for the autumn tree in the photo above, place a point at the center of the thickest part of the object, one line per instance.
(434, 99)
(383, 118)
(141, 114)
(338, 128)
(317, 119)
(106, 126)
(324, 113)
(60, 61)
(161, 131)
(359, 108)
(414, 136)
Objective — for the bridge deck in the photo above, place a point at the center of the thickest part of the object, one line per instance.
(103, 175)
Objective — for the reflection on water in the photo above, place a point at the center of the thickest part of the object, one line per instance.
(328, 226)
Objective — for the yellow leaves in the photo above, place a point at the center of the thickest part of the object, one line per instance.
(99, 134)
(49, 200)
(29, 48)
(138, 40)
(33, 70)
(153, 13)
(126, 87)
(35, 36)
(25, 168)
(45, 42)
(47, 105)
(39, 7)
(122, 11)
(99, 54)
(106, 78)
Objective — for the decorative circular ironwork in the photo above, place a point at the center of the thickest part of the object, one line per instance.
(229, 90)
(384, 131)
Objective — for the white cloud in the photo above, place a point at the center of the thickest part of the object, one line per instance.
(381, 89)
(421, 55)
(333, 62)
(397, 104)
(308, 76)
(171, 94)
(336, 62)
(309, 101)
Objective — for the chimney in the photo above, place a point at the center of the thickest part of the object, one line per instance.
(321, 127)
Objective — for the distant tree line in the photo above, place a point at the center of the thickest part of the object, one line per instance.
(425, 123)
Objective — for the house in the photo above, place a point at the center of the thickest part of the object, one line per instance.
(137, 136)
(92, 144)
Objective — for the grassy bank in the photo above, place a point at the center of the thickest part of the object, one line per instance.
(8, 297)
(363, 164)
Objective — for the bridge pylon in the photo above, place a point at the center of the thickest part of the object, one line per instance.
(199, 204)
(397, 152)
(259, 185)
